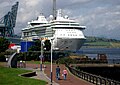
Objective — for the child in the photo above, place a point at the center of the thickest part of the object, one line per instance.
(65, 73)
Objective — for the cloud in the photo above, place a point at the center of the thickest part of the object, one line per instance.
(101, 20)
(4, 8)
(4, 4)
(32, 3)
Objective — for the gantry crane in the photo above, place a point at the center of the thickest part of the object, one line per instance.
(7, 23)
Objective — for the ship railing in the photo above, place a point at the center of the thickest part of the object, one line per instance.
(98, 80)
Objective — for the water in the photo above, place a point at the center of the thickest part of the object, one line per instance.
(113, 54)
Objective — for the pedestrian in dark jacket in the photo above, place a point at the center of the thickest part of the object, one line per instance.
(58, 73)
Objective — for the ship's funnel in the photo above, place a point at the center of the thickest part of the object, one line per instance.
(54, 9)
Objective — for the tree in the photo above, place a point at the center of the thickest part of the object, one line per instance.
(47, 45)
(4, 44)
(36, 47)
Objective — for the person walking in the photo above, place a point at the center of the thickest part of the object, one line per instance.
(58, 73)
(65, 73)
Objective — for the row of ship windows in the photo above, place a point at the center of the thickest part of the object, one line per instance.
(62, 22)
(67, 30)
(70, 35)
(34, 34)
(70, 32)
(68, 24)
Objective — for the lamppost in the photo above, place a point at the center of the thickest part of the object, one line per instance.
(51, 74)
(26, 45)
(41, 56)
(26, 53)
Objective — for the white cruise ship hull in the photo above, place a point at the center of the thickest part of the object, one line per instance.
(68, 44)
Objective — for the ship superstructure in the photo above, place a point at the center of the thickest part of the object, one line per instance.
(65, 33)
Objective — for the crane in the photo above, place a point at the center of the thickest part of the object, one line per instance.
(8, 22)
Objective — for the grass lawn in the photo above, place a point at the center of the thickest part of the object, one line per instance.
(104, 44)
(9, 76)
(3, 64)
(100, 43)
(116, 44)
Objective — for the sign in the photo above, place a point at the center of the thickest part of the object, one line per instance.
(41, 56)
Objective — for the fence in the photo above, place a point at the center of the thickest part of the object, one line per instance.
(98, 80)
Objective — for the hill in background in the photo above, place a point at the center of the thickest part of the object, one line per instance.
(101, 42)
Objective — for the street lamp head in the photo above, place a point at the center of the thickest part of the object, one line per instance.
(52, 38)
(42, 41)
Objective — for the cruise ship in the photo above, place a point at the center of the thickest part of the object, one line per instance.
(65, 33)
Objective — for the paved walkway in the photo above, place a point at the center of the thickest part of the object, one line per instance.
(45, 75)
(40, 74)
(71, 79)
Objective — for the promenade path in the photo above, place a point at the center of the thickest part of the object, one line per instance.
(71, 79)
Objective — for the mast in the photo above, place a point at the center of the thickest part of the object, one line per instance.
(54, 9)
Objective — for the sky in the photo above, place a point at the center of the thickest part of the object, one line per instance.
(101, 17)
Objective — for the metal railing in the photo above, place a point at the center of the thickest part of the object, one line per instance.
(98, 80)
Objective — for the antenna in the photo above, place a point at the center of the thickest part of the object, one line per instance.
(54, 9)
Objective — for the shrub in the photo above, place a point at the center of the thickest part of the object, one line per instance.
(2, 57)
(66, 60)
(4, 43)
